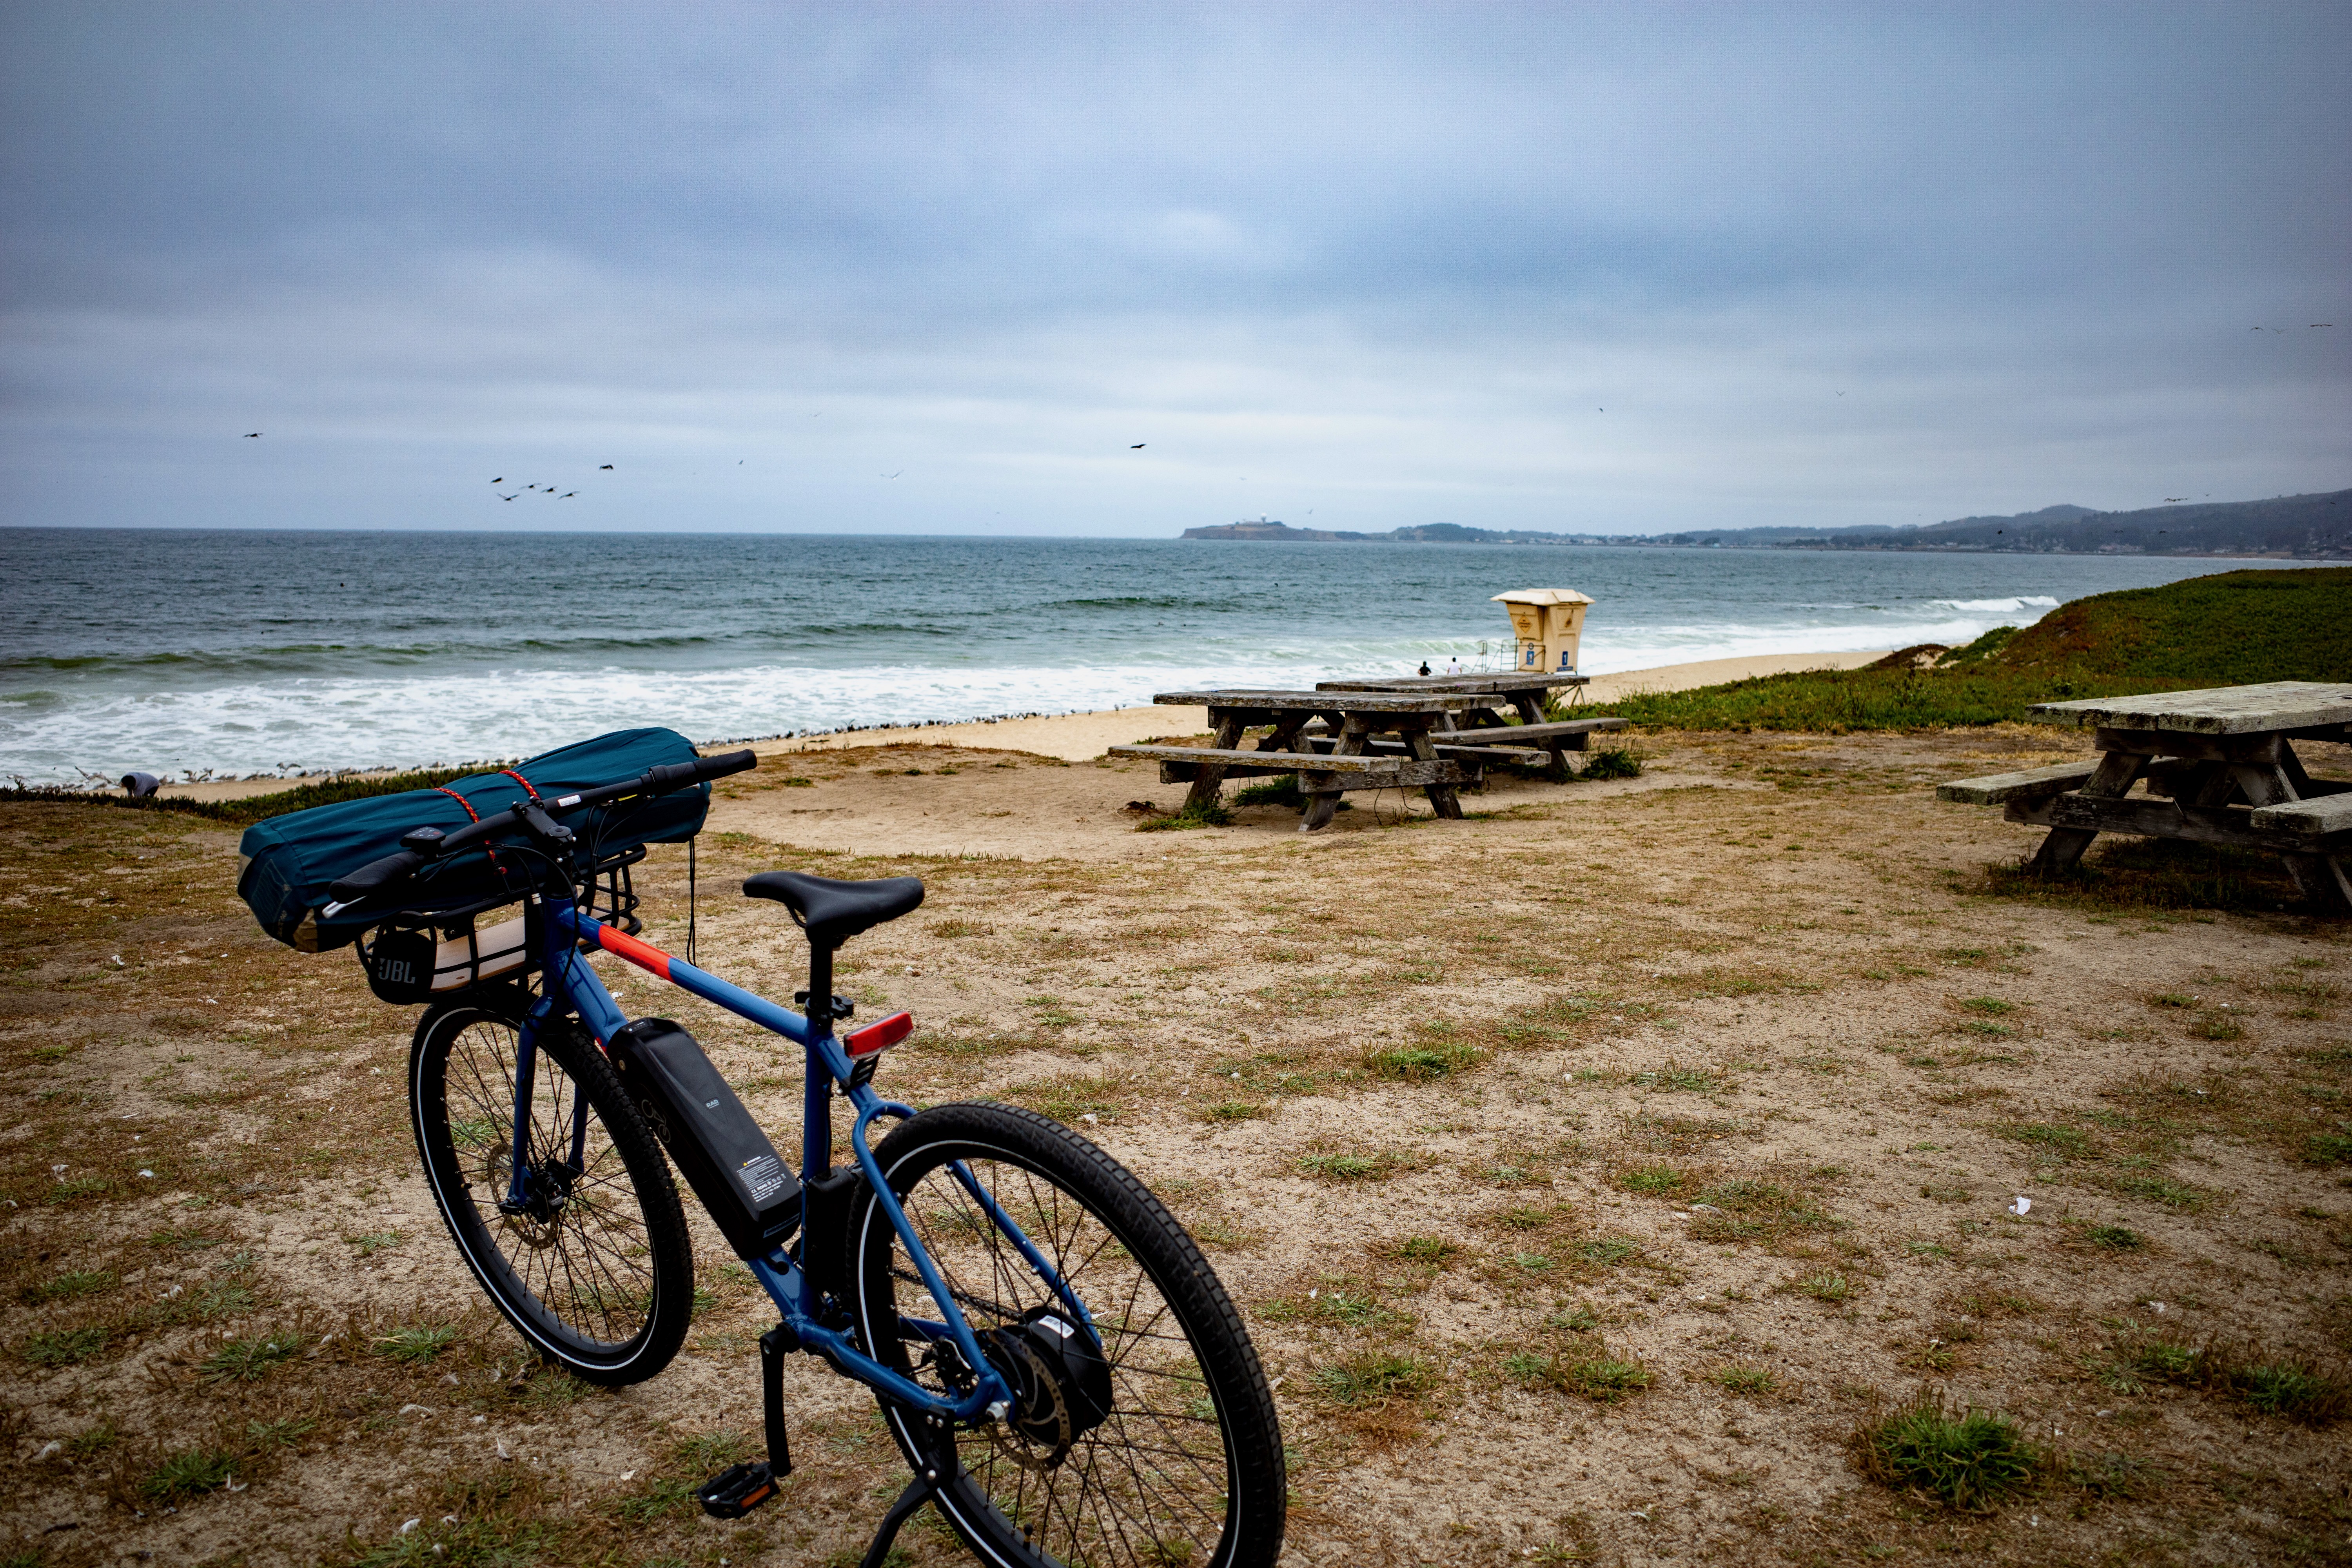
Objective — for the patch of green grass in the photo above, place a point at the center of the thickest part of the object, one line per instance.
(2066, 1142)
(248, 1360)
(1611, 762)
(1970, 1459)
(659, 1500)
(2218, 1029)
(1657, 1181)
(2328, 1148)
(2295, 1389)
(1350, 1166)
(1827, 1285)
(1992, 1005)
(1584, 1368)
(420, 1343)
(1748, 1379)
(189, 1472)
(1421, 1062)
(68, 1287)
(1191, 816)
(2164, 1190)
(1234, 1111)
(1283, 791)
(2114, 1238)
(1690, 1080)
(1372, 1378)
(1427, 1250)
(1607, 1250)
(376, 1242)
(61, 1347)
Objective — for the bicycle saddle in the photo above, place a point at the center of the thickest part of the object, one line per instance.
(833, 911)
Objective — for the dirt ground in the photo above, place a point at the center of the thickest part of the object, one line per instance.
(1590, 1170)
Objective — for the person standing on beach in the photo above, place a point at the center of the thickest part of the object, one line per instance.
(1424, 666)
(1453, 666)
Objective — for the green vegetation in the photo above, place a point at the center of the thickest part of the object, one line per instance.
(255, 807)
(1969, 1460)
(415, 1345)
(247, 1360)
(1584, 1368)
(1368, 1381)
(2227, 629)
(1418, 1063)
(1208, 816)
(1611, 762)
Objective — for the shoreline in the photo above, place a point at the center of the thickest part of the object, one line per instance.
(1082, 737)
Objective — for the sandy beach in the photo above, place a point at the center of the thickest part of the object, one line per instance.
(1079, 737)
(1750, 1061)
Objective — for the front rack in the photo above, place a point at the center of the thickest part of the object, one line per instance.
(419, 956)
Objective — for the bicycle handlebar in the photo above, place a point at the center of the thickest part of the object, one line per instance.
(378, 877)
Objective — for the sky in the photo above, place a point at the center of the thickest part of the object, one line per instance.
(1121, 270)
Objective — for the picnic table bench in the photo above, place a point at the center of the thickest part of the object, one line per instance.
(1358, 735)
(2216, 765)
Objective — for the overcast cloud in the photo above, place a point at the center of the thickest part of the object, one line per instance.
(1620, 269)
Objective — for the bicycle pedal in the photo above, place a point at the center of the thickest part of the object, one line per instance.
(736, 1491)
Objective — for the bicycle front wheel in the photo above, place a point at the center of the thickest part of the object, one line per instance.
(1151, 1439)
(588, 1256)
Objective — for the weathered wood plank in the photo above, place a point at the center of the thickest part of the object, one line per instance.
(2034, 784)
(2213, 711)
(2265, 747)
(2318, 823)
(1261, 761)
(1491, 681)
(1324, 701)
(2093, 814)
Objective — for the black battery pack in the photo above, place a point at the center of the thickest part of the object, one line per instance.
(725, 1157)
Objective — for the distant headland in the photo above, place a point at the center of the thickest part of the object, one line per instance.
(2299, 528)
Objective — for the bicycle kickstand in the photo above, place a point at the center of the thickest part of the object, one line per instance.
(739, 1488)
(920, 1490)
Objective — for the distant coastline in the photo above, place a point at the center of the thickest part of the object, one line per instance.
(2284, 528)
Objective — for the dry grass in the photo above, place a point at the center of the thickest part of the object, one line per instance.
(1608, 1129)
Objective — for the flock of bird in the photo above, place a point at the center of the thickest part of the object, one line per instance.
(547, 490)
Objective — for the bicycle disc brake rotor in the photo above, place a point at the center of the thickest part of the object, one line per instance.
(1060, 1383)
(538, 1221)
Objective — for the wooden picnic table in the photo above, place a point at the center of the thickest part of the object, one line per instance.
(1336, 739)
(2217, 765)
(1525, 693)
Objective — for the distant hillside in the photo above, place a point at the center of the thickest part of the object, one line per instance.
(2305, 528)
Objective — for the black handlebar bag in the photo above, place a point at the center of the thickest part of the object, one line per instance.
(291, 860)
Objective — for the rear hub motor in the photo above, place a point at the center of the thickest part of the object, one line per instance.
(1060, 1383)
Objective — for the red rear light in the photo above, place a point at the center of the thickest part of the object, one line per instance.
(878, 1035)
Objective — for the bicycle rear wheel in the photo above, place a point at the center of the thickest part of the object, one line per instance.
(1159, 1446)
(594, 1265)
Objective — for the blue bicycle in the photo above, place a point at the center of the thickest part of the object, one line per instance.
(1059, 1365)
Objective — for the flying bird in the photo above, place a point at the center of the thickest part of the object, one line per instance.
(606, 466)
(1136, 448)
(569, 494)
(252, 436)
(2172, 499)
(894, 475)
(499, 480)
(509, 498)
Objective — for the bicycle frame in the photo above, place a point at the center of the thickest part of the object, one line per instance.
(573, 986)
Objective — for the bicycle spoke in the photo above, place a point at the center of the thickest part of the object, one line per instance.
(1148, 1485)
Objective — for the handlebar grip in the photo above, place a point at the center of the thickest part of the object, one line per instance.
(376, 877)
(672, 776)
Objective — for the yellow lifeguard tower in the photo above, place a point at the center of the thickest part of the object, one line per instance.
(1547, 622)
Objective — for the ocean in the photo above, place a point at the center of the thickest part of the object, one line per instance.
(228, 653)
